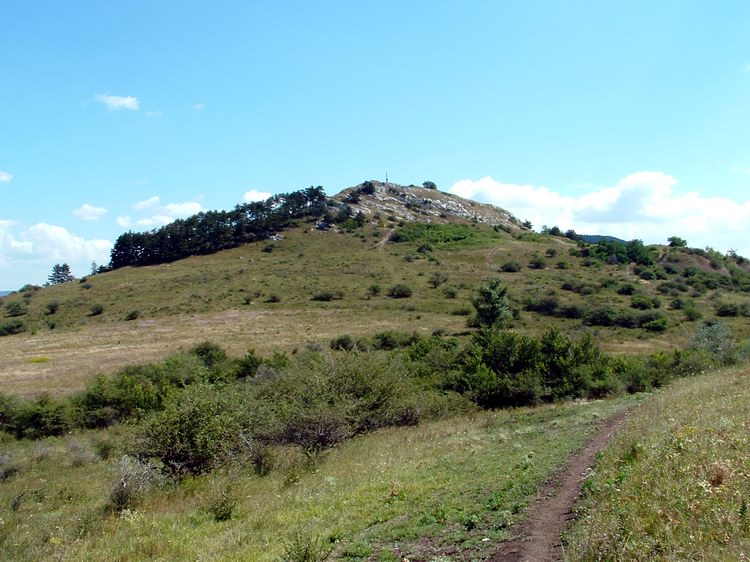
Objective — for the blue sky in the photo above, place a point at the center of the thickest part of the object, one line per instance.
(629, 118)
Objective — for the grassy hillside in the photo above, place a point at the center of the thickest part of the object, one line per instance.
(674, 485)
(448, 487)
(314, 285)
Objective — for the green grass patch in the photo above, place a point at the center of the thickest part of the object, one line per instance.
(674, 485)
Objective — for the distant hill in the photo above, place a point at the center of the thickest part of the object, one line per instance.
(596, 238)
(3, 293)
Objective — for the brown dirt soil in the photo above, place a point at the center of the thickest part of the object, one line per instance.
(538, 538)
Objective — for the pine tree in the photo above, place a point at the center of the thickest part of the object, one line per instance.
(60, 274)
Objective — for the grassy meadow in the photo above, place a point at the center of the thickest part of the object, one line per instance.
(450, 487)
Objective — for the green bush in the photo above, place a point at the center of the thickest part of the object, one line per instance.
(343, 343)
(210, 353)
(197, 432)
(42, 417)
(96, 310)
(325, 296)
(14, 309)
(12, 327)
(400, 291)
(511, 267)
(52, 307)
(132, 315)
(321, 400)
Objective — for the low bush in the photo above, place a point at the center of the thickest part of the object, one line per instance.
(400, 291)
(197, 432)
(511, 267)
(12, 327)
(325, 296)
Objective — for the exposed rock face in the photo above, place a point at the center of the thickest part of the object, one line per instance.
(412, 203)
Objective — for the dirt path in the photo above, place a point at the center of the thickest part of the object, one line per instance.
(488, 256)
(386, 237)
(538, 538)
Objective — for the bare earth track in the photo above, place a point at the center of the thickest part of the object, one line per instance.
(538, 538)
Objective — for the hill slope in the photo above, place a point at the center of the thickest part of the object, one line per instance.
(310, 285)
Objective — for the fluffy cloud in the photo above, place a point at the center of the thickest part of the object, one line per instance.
(114, 103)
(150, 202)
(5, 177)
(254, 195)
(199, 106)
(183, 209)
(27, 254)
(89, 213)
(160, 215)
(643, 205)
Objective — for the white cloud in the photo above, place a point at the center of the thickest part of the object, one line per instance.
(5, 177)
(154, 114)
(199, 106)
(89, 213)
(150, 202)
(160, 214)
(644, 205)
(27, 254)
(254, 195)
(183, 209)
(114, 103)
(155, 221)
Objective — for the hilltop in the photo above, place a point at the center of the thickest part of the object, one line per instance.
(334, 273)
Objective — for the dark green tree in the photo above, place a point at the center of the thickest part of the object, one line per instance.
(677, 242)
(492, 304)
(60, 274)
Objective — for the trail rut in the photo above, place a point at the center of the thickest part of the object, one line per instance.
(538, 538)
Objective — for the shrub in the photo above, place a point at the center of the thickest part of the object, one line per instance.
(14, 309)
(450, 292)
(692, 313)
(133, 480)
(247, 367)
(626, 289)
(12, 327)
(547, 306)
(537, 263)
(726, 309)
(374, 289)
(343, 343)
(392, 339)
(400, 291)
(42, 417)
(210, 353)
(562, 265)
(325, 296)
(132, 315)
(96, 310)
(436, 279)
(52, 307)
(492, 305)
(268, 248)
(320, 400)
(644, 302)
(511, 267)
(273, 299)
(195, 433)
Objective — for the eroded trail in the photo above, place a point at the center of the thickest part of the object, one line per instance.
(538, 538)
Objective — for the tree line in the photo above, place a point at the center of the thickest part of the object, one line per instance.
(213, 231)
